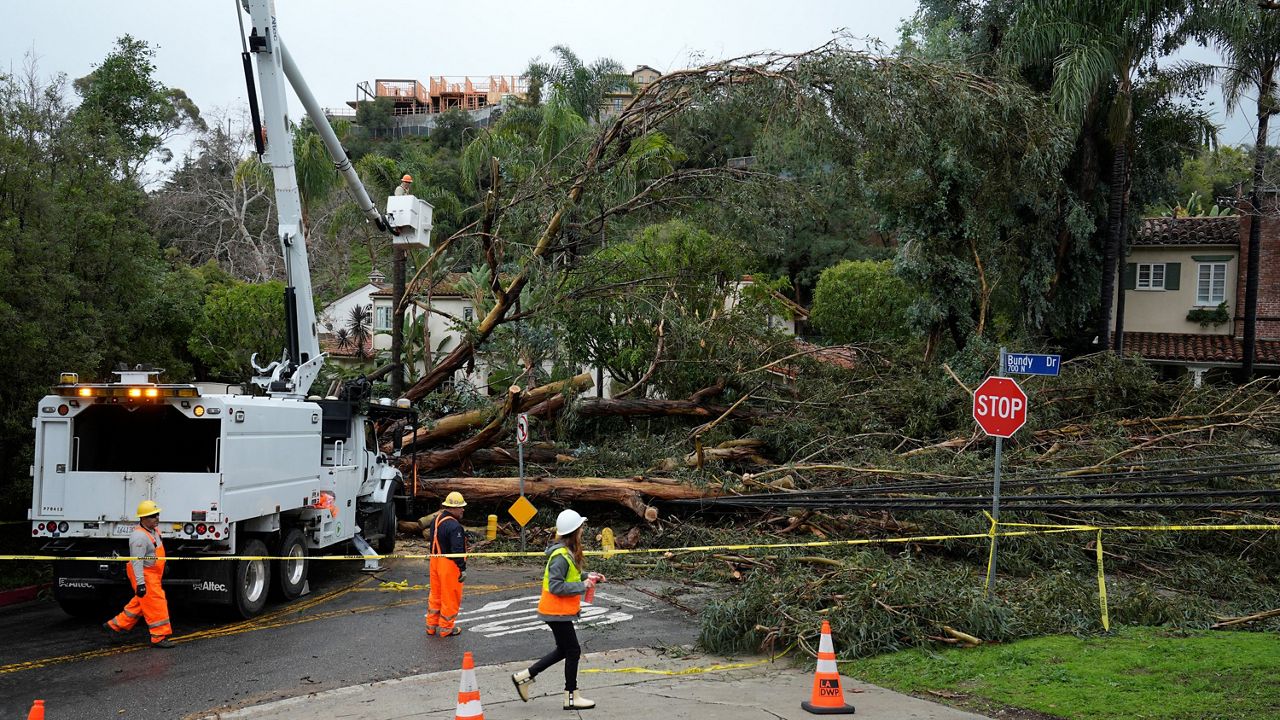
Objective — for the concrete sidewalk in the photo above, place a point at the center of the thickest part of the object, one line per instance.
(632, 684)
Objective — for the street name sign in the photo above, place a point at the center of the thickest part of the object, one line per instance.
(1032, 364)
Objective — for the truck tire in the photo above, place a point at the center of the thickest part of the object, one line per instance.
(387, 543)
(251, 582)
(290, 576)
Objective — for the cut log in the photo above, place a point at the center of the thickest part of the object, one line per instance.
(458, 423)
(511, 456)
(633, 407)
(744, 451)
(632, 493)
(442, 458)
(1228, 622)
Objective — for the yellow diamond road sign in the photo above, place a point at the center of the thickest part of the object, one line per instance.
(522, 510)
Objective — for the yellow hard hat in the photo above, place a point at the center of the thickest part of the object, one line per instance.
(147, 508)
(407, 178)
(454, 499)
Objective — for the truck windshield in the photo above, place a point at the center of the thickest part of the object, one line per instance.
(152, 438)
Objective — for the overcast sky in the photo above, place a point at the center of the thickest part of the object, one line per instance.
(339, 44)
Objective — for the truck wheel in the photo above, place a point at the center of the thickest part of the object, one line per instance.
(387, 543)
(251, 582)
(291, 574)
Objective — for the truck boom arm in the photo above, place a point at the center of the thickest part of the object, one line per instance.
(293, 374)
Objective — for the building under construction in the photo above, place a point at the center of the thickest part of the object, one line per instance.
(440, 93)
(416, 105)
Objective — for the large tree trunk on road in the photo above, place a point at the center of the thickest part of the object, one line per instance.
(511, 456)
(632, 407)
(631, 493)
(437, 459)
(451, 425)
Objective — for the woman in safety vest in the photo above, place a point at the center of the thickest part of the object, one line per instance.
(562, 589)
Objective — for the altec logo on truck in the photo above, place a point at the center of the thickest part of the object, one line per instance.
(279, 473)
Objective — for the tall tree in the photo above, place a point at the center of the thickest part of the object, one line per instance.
(584, 86)
(1248, 37)
(130, 103)
(1098, 49)
(79, 267)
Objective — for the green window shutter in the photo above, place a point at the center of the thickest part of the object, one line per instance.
(1130, 276)
(1171, 271)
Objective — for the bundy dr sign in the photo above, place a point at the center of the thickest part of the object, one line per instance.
(1000, 409)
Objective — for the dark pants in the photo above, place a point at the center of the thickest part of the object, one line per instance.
(567, 649)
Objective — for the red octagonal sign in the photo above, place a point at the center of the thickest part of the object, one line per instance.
(1000, 406)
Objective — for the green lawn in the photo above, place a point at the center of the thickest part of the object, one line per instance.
(1134, 673)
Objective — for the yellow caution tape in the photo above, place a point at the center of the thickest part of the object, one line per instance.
(1033, 529)
(1102, 588)
(993, 532)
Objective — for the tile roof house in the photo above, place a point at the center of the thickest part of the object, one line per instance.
(1184, 286)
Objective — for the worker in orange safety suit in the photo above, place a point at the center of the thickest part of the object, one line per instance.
(447, 573)
(145, 572)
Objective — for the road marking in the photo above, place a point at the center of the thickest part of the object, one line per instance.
(282, 616)
(502, 620)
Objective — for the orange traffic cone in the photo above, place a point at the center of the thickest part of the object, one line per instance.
(469, 707)
(37, 711)
(828, 698)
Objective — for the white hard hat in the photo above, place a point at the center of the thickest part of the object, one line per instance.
(568, 521)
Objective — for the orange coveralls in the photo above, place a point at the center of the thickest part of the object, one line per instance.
(446, 586)
(153, 608)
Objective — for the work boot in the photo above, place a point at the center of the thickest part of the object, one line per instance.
(165, 643)
(113, 636)
(450, 632)
(573, 700)
(524, 684)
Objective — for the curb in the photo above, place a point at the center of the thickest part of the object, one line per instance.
(21, 595)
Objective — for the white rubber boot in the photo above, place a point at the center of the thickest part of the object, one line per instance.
(524, 684)
(575, 701)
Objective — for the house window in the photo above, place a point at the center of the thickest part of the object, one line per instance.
(382, 317)
(1211, 283)
(468, 314)
(1150, 276)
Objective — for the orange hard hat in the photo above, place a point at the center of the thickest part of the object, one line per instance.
(407, 178)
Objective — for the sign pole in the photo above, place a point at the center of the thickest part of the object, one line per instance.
(995, 494)
(521, 432)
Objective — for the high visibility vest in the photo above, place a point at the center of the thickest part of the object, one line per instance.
(552, 604)
(155, 571)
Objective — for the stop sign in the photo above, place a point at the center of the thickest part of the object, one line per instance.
(1000, 406)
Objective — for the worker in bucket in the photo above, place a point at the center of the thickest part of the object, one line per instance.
(145, 571)
(447, 573)
(563, 585)
(403, 187)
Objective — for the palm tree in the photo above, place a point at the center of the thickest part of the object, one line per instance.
(1097, 48)
(1249, 39)
(584, 86)
(359, 322)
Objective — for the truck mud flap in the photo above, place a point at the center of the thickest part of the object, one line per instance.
(86, 580)
(202, 582)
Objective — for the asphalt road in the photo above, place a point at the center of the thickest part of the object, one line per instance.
(350, 629)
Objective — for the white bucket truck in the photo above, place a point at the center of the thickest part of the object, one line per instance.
(282, 474)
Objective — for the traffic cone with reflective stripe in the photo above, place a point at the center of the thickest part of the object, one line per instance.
(827, 696)
(469, 707)
(37, 711)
